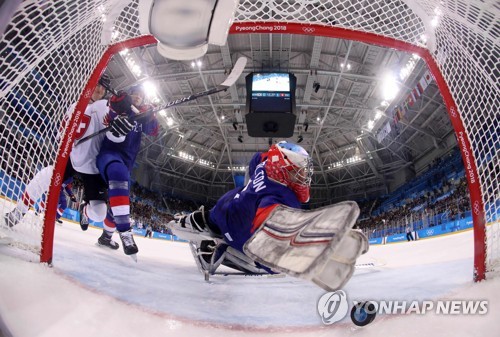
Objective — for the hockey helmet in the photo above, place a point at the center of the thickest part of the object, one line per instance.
(138, 94)
(105, 81)
(102, 88)
(289, 164)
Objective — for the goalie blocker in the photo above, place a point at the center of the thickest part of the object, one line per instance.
(319, 245)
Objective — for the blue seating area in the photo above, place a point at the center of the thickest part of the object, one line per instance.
(449, 168)
(436, 197)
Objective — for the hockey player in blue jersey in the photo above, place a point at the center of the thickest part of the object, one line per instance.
(117, 156)
(260, 228)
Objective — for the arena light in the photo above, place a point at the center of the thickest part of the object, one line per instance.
(389, 87)
(237, 168)
(101, 9)
(131, 62)
(408, 68)
(435, 20)
(151, 91)
(349, 161)
(342, 65)
(186, 156)
(207, 163)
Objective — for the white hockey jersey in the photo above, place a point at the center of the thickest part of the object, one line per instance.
(83, 156)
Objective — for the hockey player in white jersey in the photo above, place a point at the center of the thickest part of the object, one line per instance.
(82, 161)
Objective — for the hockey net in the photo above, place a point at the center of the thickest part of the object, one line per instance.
(53, 52)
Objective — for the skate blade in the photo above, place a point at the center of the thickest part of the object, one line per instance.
(106, 247)
(133, 257)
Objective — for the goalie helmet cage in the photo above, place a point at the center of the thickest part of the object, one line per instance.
(53, 52)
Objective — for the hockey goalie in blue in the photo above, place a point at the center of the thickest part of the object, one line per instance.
(240, 212)
(261, 228)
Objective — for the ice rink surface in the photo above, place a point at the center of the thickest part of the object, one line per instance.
(93, 291)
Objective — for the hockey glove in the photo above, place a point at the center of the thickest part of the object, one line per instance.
(195, 221)
(121, 103)
(198, 221)
(121, 126)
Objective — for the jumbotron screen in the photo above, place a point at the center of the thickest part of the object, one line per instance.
(274, 82)
(272, 92)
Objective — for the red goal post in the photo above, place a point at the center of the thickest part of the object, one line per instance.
(478, 214)
(52, 55)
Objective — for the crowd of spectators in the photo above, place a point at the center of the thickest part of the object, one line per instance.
(434, 207)
(150, 208)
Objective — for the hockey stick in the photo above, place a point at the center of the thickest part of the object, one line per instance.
(229, 81)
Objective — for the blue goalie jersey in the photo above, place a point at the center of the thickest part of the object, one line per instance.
(236, 212)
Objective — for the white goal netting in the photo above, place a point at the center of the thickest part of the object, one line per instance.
(50, 49)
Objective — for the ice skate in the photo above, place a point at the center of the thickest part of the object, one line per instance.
(84, 220)
(129, 246)
(105, 240)
(13, 217)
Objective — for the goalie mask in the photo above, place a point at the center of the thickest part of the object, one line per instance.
(290, 165)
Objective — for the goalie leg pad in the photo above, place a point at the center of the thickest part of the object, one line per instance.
(340, 266)
(301, 243)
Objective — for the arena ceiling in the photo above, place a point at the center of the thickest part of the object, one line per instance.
(204, 143)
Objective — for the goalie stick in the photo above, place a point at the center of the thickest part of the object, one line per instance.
(228, 82)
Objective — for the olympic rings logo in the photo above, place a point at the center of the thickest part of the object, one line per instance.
(57, 179)
(308, 30)
(88, 93)
(476, 208)
(453, 112)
